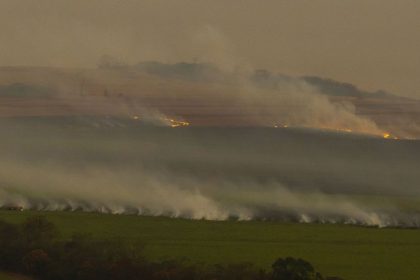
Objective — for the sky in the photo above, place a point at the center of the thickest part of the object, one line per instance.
(371, 43)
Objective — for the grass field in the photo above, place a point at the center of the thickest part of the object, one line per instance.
(12, 276)
(347, 251)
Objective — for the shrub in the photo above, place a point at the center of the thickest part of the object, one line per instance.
(11, 246)
(294, 269)
(38, 232)
(36, 262)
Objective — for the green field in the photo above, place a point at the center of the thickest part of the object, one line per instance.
(12, 276)
(347, 251)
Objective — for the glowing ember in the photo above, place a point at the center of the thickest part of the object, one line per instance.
(281, 125)
(389, 136)
(385, 135)
(176, 123)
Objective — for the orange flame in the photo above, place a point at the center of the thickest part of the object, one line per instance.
(388, 135)
(176, 123)
(385, 135)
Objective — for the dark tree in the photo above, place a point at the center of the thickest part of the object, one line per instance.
(38, 232)
(36, 262)
(11, 246)
(294, 269)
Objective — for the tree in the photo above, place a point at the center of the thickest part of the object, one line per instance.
(11, 246)
(294, 269)
(38, 232)
(36, 262)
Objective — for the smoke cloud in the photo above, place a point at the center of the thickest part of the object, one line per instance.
(247, 144)
(208, 173)
(217, 88)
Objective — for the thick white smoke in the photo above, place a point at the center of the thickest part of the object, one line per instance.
(214, 86)
(137, 192)
(201, 173)
(121, 156)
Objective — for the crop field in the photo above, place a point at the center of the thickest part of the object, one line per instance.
(351, 252)
(12, 276)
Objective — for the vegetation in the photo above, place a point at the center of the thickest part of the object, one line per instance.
(34, 248)
(12, 276)
(350, 252)
(294, 269)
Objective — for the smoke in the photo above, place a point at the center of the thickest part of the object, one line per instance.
(217, 88)
(297, 103)
(208, 173)
(108, 144)
(139, 192)
(291, 102)
(102, 190)
(233, 99)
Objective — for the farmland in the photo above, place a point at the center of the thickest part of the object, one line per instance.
(351, 252)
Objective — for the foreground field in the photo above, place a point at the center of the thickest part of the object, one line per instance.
(347, 251)
(12, 276)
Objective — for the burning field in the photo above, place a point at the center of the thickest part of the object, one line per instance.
(213, 133)
(288, 174)
(189, 140)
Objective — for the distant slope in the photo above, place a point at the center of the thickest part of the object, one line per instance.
(199, 93)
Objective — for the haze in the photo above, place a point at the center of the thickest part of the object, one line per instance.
(373, 44)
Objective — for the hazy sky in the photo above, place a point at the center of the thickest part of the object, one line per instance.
(371, 43)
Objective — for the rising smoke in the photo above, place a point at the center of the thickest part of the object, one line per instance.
(208, 173)
(101, 140)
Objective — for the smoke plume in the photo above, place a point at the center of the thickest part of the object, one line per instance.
(208, 173)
